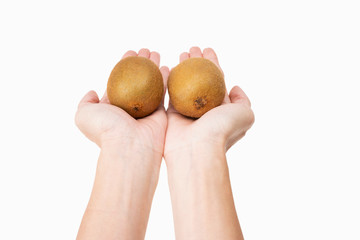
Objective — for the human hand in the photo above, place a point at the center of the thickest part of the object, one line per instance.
(220, 127)
(199, 182)
(106, 124)
(128, 165)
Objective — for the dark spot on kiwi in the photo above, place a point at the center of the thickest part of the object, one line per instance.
(200, 102)
(136, 107)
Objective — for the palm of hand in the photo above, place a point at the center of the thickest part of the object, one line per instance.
(102, 122)
(225, 124)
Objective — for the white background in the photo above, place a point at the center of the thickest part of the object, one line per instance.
(295, 175)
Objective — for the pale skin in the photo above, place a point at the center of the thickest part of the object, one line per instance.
(131, 154)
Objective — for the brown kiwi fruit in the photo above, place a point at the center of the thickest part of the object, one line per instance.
(196, 86)
(136, 85)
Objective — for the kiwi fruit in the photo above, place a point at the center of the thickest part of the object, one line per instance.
(196, 86)
(136, 85)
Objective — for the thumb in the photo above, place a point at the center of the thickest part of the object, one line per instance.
(242, 115)
(90, 97)
(237, 95)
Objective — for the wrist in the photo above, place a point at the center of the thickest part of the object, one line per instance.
(132, 161)
(130, 150)
(196, 155)
(121, 177)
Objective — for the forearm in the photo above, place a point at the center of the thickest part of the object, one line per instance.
(121, 199)
(201, 195)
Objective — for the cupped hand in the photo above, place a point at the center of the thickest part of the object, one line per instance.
(104, 123)
(220, 127)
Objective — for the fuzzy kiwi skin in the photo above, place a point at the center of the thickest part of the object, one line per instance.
(196, 86)
(136, 85)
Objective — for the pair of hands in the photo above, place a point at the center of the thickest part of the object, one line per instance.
(166, 132)
(130, 159)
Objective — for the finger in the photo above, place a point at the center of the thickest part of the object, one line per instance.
(90, 97)
(210, 54)
(195, 52)
(105, 98)
(237, 95)
(240, 116)
(130, 53)
(165, 74)
(184, 56)
(144, 52)
(155, 57)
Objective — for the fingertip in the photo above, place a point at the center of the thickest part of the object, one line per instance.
(236, 88)
(164, 69)
(144, 52)
(210, 54)
(234, 94)
(155, 57)
(209, 50)
(195, 49)
(90, 97)
(184, 56)
(237, 95)
(129, 53)
(195, 52)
